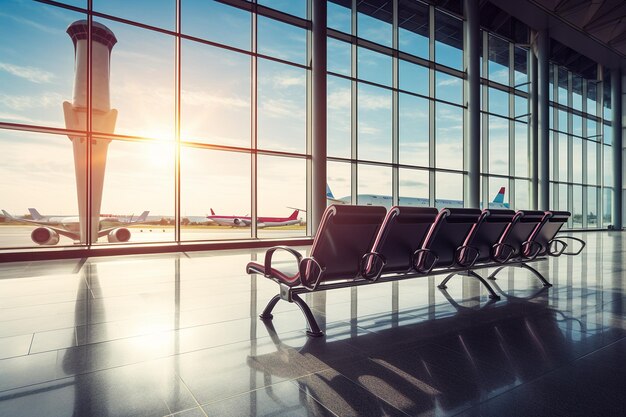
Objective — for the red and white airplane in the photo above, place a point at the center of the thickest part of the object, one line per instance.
(243, 221)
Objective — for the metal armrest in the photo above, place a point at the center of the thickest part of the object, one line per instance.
(582, 243)
(368, 261)
(553, 247)
(529, 245)
(459, 253)
(418, 264)
(305, 270)
(270, 253)
(495, 248)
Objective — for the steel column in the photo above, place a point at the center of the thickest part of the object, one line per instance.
(616, 108)
(472, 133)
(543, 97)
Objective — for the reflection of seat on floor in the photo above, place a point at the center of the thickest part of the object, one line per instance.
(415, 369)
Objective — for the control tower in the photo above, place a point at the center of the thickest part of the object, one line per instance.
(103, 118)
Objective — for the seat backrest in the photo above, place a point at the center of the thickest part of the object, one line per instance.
(448, 233)
(486, 233)
(554, 221)
(402, 233)
(345, 234)
(520, 229)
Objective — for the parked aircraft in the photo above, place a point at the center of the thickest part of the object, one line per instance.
(386, 201)
(51, 227)
(243, 221)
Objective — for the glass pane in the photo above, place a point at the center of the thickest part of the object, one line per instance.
(215, 95)
(563, 157)
(374, 19)
(562, 86)
(592, 92)
(414, 187)
(498, 60)
(339, 60)
(413, 30)
(498, 102)
(498, 145)
(522, 195)
(563, 197)
(448, 190)
(521, 109)
(608, 165)
(577, 92)
(551, 82)
(340, 15)
(448, 136)
(577, 160)
(577, 125)
(281, 107)
(35, 84)
(448, 88)
(554, 153)
(139, 177)
(38, 171)
(281, 40)
(521, 69)
(448, 40)
(160, 13)
(293, 7)
(607, 203)
(217, 22)
(413, 78)
(522, 155)
(374, 123)
(563, 121)
(374, 67)
(606, 97)
(339, 117)
(577, 207)
(592, 131)
(281, 197)
(413, 130)
(592, 164)
(338, 176)
(608, 134)
(143, 94)
(222, 209)
(592, 207)
(374, 186)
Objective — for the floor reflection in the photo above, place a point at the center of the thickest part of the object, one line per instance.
(180, 334)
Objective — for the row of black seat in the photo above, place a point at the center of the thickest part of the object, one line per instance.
(356, 245)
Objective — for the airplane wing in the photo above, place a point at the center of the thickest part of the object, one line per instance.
(62, 232)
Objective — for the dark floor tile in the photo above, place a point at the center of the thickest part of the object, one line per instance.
(511, 404)
(343, 397)
(27, 370)
(280, 399)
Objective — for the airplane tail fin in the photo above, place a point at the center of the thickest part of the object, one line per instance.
(7, 215)
(35, 214)
(294, 215)
(500, 196)
(212, 212)
(329, 194)
(143, 217)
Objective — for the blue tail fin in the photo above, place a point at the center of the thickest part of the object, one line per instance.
(329, 194)
(500, 196)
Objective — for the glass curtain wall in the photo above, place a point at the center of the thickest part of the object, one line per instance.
(395, 104)
(197, 113)
(581, 136)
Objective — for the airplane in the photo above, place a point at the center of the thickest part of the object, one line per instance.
(243, 221)
(50, 228)
(386, 201)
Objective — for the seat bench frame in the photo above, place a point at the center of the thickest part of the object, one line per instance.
(292, 294)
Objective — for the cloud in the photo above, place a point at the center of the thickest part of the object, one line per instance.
(340, 99)
(32, 74)
(448, 82)
(31, 23)
(199, 98)
(286, 80)
(412, 183)
(19, 103)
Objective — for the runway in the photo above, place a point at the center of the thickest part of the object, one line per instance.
(18, 236)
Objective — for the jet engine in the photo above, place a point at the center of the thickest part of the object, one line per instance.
(238, 222)
(44, 236)
(121, 234)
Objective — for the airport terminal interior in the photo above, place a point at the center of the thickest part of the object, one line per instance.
(152, 149)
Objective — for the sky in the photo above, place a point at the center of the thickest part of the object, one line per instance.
(36, 75)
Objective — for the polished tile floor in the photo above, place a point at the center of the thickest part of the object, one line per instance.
(179, 335)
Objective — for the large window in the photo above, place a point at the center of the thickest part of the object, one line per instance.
(203, 125)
